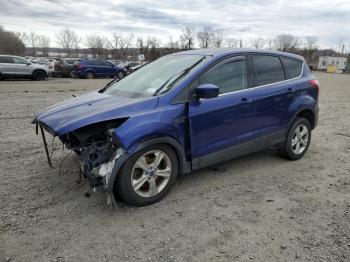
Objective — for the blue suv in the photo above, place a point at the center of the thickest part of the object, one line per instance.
(183, 112)
(91, 68)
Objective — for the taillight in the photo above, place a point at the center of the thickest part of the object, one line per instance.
(315, 84)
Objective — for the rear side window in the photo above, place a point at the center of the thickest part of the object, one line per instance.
(267, 70)
(292, 67)
(229, 77)
(6, 59)
(106, 63)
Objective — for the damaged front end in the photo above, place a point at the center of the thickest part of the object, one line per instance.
(97, 147)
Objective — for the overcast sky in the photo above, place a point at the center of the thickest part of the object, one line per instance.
(327, 20)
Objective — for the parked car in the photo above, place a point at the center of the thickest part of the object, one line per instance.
(183, 112)
(64, 67)
(90, 68)
(18, 67)
(134, 66)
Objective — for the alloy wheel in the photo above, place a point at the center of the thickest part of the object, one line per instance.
(90, 75)
(300, 139)
(151, 173)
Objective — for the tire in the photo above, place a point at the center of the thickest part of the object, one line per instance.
(71, 74)
(120, 74)
(148, 177)
(90, 75)
(39, 75)
(296, 139)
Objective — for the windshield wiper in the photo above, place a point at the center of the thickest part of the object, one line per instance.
(108, 85)
(181, 74)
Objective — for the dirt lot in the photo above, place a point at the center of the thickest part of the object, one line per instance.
(256, 208)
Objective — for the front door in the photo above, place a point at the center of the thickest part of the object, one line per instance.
(222, 127)
(21, 66)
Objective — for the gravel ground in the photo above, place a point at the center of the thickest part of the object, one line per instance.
(256, 208)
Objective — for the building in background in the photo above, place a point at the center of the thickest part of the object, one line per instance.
(332, 64)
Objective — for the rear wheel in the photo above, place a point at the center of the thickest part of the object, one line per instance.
(147, 176)
(39, 75)
(71, 74)
(90, 75)
(298, 140)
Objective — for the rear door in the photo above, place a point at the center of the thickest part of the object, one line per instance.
(222, 127)
(271, 101)
(7, 65)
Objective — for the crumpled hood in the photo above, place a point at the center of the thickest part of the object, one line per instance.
(91, 108)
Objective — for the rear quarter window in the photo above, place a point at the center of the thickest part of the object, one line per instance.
(267, 70)
(292, 67)
(5, 59)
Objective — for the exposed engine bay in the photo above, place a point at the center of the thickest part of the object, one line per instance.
(97, 149)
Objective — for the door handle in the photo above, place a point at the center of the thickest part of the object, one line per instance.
(290, 92)
(245, 100)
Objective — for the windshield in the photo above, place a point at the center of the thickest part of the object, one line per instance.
(153, 76)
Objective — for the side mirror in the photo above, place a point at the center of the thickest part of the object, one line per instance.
(207, 91)
(29, 63)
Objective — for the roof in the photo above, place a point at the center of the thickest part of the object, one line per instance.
(226, 51)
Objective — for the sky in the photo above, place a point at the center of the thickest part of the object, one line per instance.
(327, 20)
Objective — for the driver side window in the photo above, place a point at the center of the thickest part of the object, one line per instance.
(229, 77)
(18, 60)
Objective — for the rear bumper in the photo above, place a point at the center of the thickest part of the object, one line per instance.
(78, 72)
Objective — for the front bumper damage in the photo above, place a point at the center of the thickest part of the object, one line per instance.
(99, 159)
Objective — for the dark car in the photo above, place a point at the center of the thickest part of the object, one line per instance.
(91, 68)
(183, 112)
(64, 67)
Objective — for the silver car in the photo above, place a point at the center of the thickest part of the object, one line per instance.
(15, 66)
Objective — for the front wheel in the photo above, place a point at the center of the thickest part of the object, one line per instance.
(120, 74)
(39, 75)
(298, 140)
(147, 176)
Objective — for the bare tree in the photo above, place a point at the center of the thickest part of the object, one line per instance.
(173, 45)
(68, 39)
(286, 42)
(257, 43)
(22, 36)
(123, 43)
(311, 42)
(187, 37)
(99, 45)
(269, 43)
(44, 43)
(218, 38)
(142, 45)
(231, 42)
(10, 43)
(33, 42)
(204, 37)
(154, 48)
(310, 47)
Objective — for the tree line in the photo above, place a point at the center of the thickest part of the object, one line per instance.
(124, 46)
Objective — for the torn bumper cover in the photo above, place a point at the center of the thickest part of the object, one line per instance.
(100, 154)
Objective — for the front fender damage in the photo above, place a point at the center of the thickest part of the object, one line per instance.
(98, 149)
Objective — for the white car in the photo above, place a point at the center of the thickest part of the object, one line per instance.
(18, 67)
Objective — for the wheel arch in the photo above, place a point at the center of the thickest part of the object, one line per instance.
(184, 166)
(39, 70)
(306, 112)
